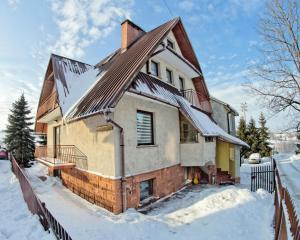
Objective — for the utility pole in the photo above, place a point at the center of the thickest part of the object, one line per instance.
(244, 109)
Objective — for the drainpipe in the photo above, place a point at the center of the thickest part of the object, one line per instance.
(123, 180)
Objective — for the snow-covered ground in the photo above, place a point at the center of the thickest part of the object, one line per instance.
(289, 170)
(209, 213)
(16, 221)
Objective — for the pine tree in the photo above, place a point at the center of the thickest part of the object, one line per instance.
(242, 134)
(252, 137)
(19, 139)
(264, 149)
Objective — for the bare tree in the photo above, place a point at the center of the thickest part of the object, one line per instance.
(279, 70)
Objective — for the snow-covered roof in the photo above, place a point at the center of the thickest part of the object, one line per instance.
(156, 89)
(73, 80)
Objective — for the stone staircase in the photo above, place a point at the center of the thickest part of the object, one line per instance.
(224, 177)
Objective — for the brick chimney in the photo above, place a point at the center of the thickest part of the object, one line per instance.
(129, 33)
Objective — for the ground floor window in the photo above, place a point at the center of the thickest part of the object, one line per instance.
(146, 189)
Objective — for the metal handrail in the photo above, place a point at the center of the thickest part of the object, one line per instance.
(62, 154)
(194, 98)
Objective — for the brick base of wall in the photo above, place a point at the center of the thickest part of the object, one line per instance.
(165, 181)
(104, 192)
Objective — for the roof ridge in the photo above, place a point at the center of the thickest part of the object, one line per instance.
(60, 56)
(120, 73)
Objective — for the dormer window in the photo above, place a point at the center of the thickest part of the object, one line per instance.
(170, 44)
(154, 68)
(169, 76)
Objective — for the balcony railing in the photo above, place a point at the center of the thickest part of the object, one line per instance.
(61, 155)
(194, 98)
(47, 105)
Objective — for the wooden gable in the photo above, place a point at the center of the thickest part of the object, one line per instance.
(48, 99)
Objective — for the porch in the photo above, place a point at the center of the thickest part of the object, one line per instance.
(61, 156)
(225, 163)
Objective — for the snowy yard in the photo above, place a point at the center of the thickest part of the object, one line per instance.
(209, 213)
(16, 221)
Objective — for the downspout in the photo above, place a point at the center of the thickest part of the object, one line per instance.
(123, 180)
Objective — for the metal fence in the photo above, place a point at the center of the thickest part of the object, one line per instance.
(262, 177)
(36, 206)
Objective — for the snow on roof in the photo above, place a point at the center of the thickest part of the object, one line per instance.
(73, 80)
(155, 88)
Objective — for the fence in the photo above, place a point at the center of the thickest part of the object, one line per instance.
(36, 206)
(262, 177)
(284, 209)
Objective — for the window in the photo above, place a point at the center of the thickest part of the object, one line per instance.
(146, 189)
(169, 76)
(170, 44)
(187, 132)
(144, 128)
(230, 123)
(181, 84)
(154, 68)
(209, 139)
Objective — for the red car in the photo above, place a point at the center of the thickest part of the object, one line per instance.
(3, 154)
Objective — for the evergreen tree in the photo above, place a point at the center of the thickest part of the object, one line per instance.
(252, 137)
(242, 134)
(19, 139)
(264, 149)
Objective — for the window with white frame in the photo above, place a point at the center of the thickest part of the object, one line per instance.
(154, 68)
(145, 135)
(181, 84)
(169, 74)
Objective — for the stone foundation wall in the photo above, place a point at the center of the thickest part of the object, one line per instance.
(104, 192)
(165, 181)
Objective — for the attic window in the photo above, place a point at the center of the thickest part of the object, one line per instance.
(154, 68)
(169, 76)
(170, 44)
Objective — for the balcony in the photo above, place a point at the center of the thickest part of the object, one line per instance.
(48, 105)
(194, 98)
(61, 156)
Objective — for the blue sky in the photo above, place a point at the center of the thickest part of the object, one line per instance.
(223, 34)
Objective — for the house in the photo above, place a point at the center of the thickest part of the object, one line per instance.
(135, 126)
(228, 155)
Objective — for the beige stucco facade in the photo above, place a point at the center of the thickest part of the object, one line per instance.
(98, 145)
(198, 154)
(165, 151)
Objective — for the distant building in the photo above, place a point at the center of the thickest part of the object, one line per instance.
(284, 142)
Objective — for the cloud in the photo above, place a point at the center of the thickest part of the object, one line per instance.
(81, 23)
(186, 5)
(13, 3)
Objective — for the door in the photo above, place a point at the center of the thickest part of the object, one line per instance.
(56, 141)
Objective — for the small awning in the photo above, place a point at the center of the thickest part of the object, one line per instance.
(157, 89)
